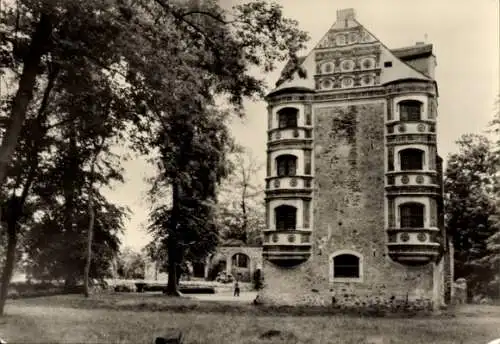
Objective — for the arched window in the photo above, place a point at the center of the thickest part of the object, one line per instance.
(346, 266)
(410, 110)
(240, 260)
(411, 215)
(411, 159)
(286, 217)
(286, 165)
(287, 117)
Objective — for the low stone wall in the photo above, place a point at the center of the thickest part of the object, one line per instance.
(354, 302)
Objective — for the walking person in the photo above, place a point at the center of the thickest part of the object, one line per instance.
(236, 288)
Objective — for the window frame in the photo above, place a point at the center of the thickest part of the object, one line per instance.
(410, 219)
(402, 162)
(286, 159)
(291, 121)
(284, 219)
(334, 279)
(406, 116)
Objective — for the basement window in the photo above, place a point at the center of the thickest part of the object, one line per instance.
(346, 266)
(387, 64)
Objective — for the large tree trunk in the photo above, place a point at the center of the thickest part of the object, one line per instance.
(9, 262)
(89, 245)
(90, 233)
(16, 208)
(172, 245)
(24, 95)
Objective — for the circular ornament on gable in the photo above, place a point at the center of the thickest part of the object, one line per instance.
(402, 128)
(390, 129)
(367, 64)
(421, 127)
(404, 237)
(326, 84)
(347, 82)
(275, 237)
(405, 179)
(419, 179)
(367, 80)
(422, 237)
(277, 135)
(295, 133)
(291, 238)
(347, 65)
(293, 182)
(276, 183)
(432, 128)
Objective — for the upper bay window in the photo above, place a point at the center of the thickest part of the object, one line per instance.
(410, 110)
(411, 159)
(287, 118)
(286, 165)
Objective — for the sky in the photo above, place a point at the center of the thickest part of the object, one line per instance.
(465, 35)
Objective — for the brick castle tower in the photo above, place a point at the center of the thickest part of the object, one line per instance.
(354, 204)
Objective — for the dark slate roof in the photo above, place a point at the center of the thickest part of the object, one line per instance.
(415, 51)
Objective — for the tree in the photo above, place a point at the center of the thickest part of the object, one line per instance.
(492, 256)
(131, 264)
(241, 208)
(193, 166)
(469, 203)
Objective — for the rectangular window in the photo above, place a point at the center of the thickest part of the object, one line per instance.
(389, 109)
(308, 111)
(307, 162)
(391, 219)
(346, 266)
(409, 111)
(430, 109)
(433, 219)
(306, 217)
(387, 64)
(269, 117)
(432, 158)
(390, 159)
(412, 159)
(267, 214)
(412, 216)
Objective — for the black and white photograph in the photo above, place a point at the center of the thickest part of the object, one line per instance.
(249, 171)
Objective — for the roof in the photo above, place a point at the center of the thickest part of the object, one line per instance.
(232, 242)
(402, 69)
(288, 68)
(419, 50)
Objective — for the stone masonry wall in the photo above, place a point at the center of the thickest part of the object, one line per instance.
(349, 215)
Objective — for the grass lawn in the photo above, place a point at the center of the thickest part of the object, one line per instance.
(139, 318)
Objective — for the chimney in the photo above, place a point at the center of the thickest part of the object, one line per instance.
(346, 14)
(420, 43)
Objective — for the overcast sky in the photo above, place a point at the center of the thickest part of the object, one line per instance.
(465, 35)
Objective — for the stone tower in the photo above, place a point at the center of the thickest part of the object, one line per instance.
(354, 183)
